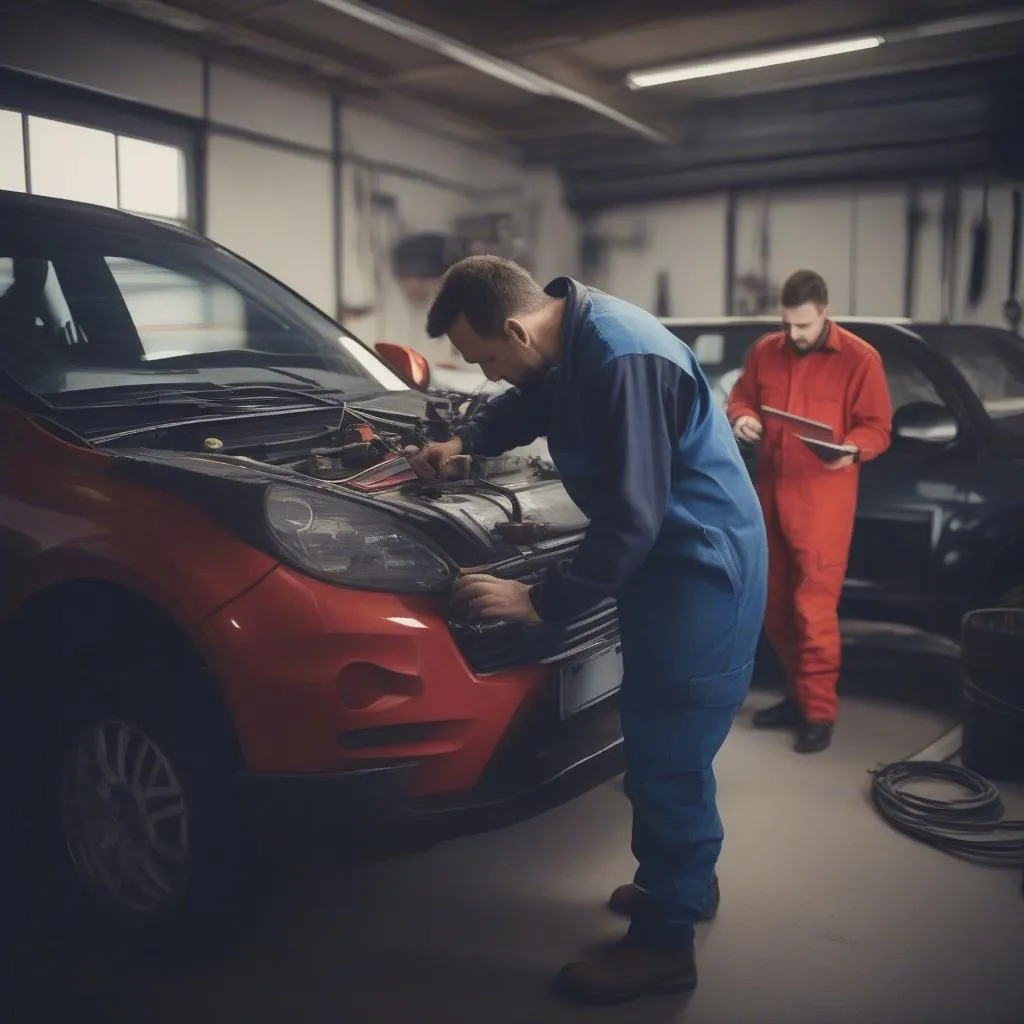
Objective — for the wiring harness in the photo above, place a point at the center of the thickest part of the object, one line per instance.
(972, 826)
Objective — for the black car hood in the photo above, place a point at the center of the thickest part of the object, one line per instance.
(466, 519)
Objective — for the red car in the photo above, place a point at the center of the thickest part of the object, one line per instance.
(224, 594)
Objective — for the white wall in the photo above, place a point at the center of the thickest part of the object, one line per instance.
(880, 223)
(557, 230)
(391, 315)
(452, 175)
(686, 239)
(80, 50)
(856, 237)
(274, 208)
(276, 109)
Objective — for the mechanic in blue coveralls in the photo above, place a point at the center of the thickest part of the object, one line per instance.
(675, 534)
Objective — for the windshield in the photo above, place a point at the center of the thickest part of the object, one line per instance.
(89, 314)
(991, 360)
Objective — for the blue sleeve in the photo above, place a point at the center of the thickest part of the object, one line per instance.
(643, 405)
(509, 420)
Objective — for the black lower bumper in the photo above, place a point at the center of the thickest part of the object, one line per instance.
(542, 762)
(324, 803)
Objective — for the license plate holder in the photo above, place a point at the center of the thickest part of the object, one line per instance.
(583, 683)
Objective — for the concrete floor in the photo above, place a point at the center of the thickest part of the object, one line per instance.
(828, 916)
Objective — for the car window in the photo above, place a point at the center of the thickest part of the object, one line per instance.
(991, 361)
(176, 313)
(89, 310)
(908, 383)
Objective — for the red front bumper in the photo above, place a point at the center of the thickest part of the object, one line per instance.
(320, 679)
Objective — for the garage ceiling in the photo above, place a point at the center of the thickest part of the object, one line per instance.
(576, 109)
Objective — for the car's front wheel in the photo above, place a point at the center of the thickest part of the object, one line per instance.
(125, 817)
(143, 829)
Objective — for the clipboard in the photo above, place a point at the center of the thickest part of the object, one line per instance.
(809, 428)
(828, 451)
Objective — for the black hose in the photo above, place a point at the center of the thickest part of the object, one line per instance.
(971, 827)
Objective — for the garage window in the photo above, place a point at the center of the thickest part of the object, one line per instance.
(49, 157)
(68, 161)
(151, 179)
(12, 152)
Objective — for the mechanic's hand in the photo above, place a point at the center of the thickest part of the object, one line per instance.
(748, 428)
(844, 463)
(486, 597)
(429, 462)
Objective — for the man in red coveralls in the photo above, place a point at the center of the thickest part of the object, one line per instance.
(814, 369)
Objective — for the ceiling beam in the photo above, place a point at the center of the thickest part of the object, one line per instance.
(235, 35)
(487, 64)
(519, 28)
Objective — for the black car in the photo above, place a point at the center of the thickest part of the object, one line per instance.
(940, 516)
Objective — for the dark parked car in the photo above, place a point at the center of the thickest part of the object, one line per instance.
(940, 516)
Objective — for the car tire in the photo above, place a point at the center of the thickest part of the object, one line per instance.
(141, 836)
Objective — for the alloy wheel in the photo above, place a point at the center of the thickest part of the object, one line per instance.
(125, 817)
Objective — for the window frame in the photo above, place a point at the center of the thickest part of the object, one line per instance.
(31, 96)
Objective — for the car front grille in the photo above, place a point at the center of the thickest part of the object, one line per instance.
(494, 647)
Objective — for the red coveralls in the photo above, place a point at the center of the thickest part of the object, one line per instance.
(809, 510)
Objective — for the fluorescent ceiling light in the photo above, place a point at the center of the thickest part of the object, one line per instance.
(495, 67)
(749, 62)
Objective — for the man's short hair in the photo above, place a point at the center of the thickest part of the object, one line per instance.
(487, 290)
(804, 286)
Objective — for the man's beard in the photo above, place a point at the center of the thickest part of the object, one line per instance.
(804, 349)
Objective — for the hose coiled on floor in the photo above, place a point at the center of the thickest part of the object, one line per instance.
(971, 827)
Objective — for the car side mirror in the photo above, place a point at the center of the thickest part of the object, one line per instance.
(410, 365)
(925, 423)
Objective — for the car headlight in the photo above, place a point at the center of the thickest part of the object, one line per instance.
(351, 544)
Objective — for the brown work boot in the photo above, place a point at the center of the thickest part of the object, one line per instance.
(623, 900)
(784, 715)
(625, 971)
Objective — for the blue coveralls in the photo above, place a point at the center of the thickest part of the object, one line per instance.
(676, 533)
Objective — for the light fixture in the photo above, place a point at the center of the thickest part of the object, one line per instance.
(814, 51)
(495, 67)
(749, 62)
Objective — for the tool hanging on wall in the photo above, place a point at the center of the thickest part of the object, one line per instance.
(950, 250)
(979, 255)
(753, 292)
(1012, 308)
(766, 252)
(915, 219)
(661, 300)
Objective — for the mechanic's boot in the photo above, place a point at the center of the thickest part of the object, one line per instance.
(625, 971)
(813, 737)
(784, 715)
(623, 900)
